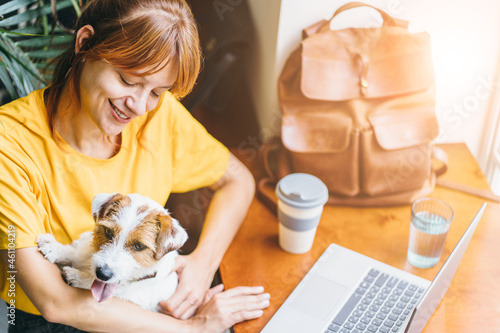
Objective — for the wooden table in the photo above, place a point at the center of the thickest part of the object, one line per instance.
(472, 303)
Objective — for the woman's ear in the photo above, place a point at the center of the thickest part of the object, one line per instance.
(82, 36)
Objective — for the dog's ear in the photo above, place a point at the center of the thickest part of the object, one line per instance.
(102, 202)
(171, 236)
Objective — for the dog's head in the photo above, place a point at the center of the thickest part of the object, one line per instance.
(132, 233)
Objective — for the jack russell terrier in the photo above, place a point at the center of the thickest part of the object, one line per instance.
(130, 254)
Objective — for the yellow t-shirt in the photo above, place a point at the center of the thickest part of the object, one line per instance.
(46, 189)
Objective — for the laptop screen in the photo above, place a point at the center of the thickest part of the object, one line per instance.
(436, 291)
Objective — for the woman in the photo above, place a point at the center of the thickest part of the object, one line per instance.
(110, 122)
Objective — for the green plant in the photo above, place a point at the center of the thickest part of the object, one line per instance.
(30, 36)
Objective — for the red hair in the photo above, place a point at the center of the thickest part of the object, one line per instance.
(133, 35)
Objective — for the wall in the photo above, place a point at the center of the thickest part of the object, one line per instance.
(464, 35)
(266, 17)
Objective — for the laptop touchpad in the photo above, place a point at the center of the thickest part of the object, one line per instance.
(318, 297)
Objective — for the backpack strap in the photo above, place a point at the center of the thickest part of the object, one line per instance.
(441, 156)
(485, 194)
(265, 195)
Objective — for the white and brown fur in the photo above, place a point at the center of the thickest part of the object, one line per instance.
(132, 248)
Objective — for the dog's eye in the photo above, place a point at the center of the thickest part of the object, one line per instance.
(139, 247)
(108, 232)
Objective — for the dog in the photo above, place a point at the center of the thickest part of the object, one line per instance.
(130, 254)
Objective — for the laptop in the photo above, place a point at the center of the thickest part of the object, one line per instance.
(348, 292)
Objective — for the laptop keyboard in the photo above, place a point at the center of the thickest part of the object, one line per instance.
(381, 303)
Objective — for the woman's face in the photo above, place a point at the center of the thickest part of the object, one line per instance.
(111, 97)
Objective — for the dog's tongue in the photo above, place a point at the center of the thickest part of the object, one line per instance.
(102, 290)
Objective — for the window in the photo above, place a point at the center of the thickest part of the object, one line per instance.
(491, 155)
(495, 176)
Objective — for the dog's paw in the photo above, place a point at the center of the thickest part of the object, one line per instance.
(44, 239)
(76, 278)
(48, 245)
(70, 275)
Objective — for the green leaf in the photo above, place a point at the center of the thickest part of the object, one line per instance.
(7, 82)
(76, 6)
(35, 30)
(11, 6)
(34, 13)
(17, 61)
(13, 71)
(28, 47)
(45, 54)
(16, 33)
(45, 41)
(15, 53)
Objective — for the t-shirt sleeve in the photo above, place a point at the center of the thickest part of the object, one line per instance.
(21, 217)
(199, 159)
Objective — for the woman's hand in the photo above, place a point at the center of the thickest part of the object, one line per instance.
(233, 193)
(223, 309)
(195, 278)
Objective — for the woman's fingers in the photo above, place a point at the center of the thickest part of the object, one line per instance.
(190, 304)
(191, 291)
(244, 303)
(242, 299)
(248, 302)
(242, 291)
(246, 315)
(213, 291)
(176, 303)
(186, 308)
(223, 309)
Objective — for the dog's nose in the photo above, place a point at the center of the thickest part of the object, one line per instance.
(104, 273)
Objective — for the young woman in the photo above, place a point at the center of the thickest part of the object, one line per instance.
(110, 122)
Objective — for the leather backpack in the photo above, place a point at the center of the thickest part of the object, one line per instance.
(358, 112)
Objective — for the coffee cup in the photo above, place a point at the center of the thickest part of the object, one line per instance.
(301, 198)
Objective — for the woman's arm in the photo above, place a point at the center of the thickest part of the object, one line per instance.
(61, 303)
(233, 194)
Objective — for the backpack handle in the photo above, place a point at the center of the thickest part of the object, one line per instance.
(388, 19)
(323, 25)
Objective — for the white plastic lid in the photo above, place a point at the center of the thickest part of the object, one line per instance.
(302, 190)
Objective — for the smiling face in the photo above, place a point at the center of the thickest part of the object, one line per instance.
(111, 97)
(133, 37)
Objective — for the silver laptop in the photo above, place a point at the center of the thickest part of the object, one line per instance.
(348, 292)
